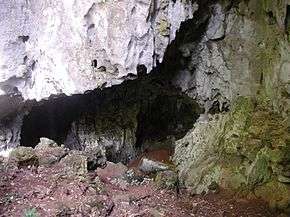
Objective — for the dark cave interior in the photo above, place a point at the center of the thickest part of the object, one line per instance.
(158, 110)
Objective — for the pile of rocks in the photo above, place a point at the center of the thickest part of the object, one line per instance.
(48, 153)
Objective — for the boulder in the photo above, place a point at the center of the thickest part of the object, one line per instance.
(112, 170)
(45, 142)
(74, 164)
(48, 152)
(23, 157)
(167, 179)
(96, 157)
(148, 166)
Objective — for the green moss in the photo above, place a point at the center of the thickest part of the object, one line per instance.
(259, 172)
(277, 194)
(252, 145)
(238, 122)
(30, 213)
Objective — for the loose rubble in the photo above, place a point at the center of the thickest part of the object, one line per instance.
(62, 185)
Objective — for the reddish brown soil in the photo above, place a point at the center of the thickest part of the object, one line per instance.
(51, 193)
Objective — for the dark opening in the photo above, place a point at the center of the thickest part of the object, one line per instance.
(271, 18)
(287, 20)
(95, 63)
(24, 38)
(141, 70)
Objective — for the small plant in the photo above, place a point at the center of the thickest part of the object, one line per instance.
(30, 213)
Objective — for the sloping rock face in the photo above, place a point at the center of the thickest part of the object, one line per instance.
(241, 66)
(51, 47)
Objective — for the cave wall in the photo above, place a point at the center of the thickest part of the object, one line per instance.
(245, 68)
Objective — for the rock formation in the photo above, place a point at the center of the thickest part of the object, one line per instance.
(241, 66)
(73, 46)
(144, 72)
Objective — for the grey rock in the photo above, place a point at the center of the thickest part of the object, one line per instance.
(116, 142)
(195, 155)
(167, 180)
(216, 26)
(10, 129)
(284, 179)
(96, 157)
(52, 47)
(46, 143)
(48, 152)
(23, 157)
(74, 164)
(149, 166)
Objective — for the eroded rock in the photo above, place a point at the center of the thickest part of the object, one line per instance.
(48, 152)
(74, 164)
(70, 47)
(96, 157)
(167, 180)
(23, 157)
(148, 166)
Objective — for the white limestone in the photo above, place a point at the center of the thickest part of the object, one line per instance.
(47, 46)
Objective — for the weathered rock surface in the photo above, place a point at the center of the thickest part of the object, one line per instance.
(48, 152)
(96, 157)
(74, 164)
(22, 157)
(244, 52)
(247, 148)
(167, 180)
(73, 46)
(148, 166)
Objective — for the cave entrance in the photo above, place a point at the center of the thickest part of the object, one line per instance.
(126, 120)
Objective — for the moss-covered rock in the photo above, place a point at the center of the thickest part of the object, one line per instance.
(167, 180)
(244, 150)
(74, 164)
(23, 157)
(277, 194)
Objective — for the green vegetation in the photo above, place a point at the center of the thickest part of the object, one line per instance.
(30, 213)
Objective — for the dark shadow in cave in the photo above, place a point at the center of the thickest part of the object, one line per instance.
(159, 111)
(287, 20)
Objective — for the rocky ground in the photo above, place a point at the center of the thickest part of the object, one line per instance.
(58, 183)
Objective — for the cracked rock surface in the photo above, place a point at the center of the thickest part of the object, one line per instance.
(51, 47)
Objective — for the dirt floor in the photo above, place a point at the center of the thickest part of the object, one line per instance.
(46, 192)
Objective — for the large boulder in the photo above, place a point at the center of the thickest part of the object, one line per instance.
(148, 166)
(96, 157)
(48, 152)
(23, 157)
(74, 164)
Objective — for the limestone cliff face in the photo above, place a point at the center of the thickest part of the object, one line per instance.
(243, 69)
(51, 47)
